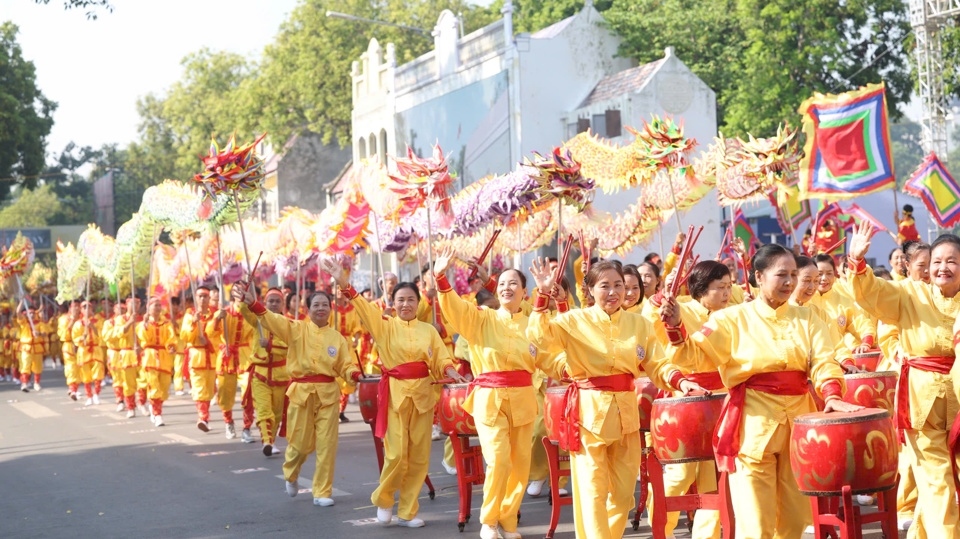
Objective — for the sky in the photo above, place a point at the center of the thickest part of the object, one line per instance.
(96, 70)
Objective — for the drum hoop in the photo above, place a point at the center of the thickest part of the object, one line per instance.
(684, 460)
(557, 389)
(868, 354)
(844, 419)
(370, 379)
(456, 386)
(684, 400)
(840, 492)
(864, 375)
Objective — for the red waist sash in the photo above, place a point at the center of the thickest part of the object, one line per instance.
(405, 371)
(726, 436)
(570, 420)
(314, 379)
(501, 379)
(940, 365)
(706, 380)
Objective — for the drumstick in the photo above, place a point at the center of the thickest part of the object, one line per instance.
(686, 276)
(359, 364)
(483, 255)
(684, 253)
(834, 246)
(563, 259)
(584, 251)
(444, 381)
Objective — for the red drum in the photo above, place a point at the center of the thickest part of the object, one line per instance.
(453, 418)
(868, 361)
(682, 428)
(646, 393)
(830, 451)
(550, 382)
(553, 410)
(872, 389)
(367, 395)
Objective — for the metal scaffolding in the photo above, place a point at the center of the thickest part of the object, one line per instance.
(928, 17)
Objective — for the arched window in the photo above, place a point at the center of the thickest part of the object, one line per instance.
(362, 148)
(373, 145)
(383, 145)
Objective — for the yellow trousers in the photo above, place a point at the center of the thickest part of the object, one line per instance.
(141, 378)
(178, 372)
(406, 459)
(766, 501)
(31, 363)
(268, 404)
(312, 427)
(202, 384)
(677, 479)
(506, 451)
(907, 487)
(226, 391)
(604, 474)
(91, 371)
(936, 513)
(129, 380)
(70, 370)
(158, 385)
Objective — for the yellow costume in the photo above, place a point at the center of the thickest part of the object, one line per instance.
(127, 366)
(155, 339)
(605, 465)
(87, 341)
(316, 356)
(31, 349)
(781, 341)
(203, 376)
(270, 379)
(232, 353)
(925, 318)
(406, 446)
(70, 370)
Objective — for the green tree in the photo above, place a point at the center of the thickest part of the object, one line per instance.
(303, 83)
(906, 150)
(32, 208)
(25, 114)
(533, 15)
(73, 191)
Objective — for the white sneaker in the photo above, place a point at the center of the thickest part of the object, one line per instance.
(292, 489)
(535, 488)
(96, 399)
(36, 386)
(142, 408)
(904, 523)
(323, 502)
(179, 393)
(437, 434)
(267, 450)
(864, 499)
(158, 420)
(25, 388)
(412, 523)
(131, 414)
(203, 425)
(121, 407)
(452, 470)
(488, 532)
(246, 437)
(384, 516)
(809, 530)
(563, 492)
(88, 402)
(230, 431)
(277, 450)
(516, 535)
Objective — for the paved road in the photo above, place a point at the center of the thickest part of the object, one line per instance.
(70, 470)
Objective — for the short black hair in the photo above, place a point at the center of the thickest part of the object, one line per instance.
(702, 274)
(404, 285)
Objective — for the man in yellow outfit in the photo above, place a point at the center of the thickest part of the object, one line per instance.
(200, 352)
(270, 376)
(179, 361)
(158, 341)
(124, 339)
(233, 350)
(86, 337)
(110, 343)
(31, 348)
(64, 327)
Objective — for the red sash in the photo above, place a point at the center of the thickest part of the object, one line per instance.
(405, 371)
(502, 379)
(726, 436)
(706, 380)
(312, 379)
(570, 420)
(941, 365)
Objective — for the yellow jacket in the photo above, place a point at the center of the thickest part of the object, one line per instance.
(64, 327)
(754, 338)
(235, 356)
(192, 333)
(598, 344)
(155, 339)
(270, 361)
(312, 350)
(124, 340)
(841, 309)
(87, 340)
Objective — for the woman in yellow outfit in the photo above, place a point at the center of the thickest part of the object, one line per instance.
(502, 402)
(270, 375)
(808, 283)
(317, 355)
(124, 338)
(766, 370)
(927, 402)
(409, 352)
(64, 326)
(31, 347)
(709, 285)
(86, 337)
(158, 340)
(633, 298)
(605, 350)
(855, 326)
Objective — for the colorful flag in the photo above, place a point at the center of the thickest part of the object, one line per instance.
(853, 215)
(847, 153)
(938, 190)
(831, 210)
(743, 231)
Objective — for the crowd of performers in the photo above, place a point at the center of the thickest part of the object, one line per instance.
(795, 325)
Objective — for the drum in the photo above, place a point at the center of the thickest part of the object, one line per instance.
(872, 389)
(830, 451)
(868, 361)
(367, 395)
(682, 428)
(646, 393)
(553, 410)
(453, 418)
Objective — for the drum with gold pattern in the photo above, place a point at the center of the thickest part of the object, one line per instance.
(868, 361)
(872, 389)
(453, 418)
(682, 428)
(831, 450)
(367, 395)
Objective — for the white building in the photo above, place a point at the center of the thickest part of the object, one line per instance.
(491, 98)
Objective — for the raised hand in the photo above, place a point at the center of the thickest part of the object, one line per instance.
(669, 311)
(443, 260)
(482, 273)
(542, 275)
(331, 266)
(860, 240)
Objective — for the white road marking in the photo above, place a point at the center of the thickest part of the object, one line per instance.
(183, 439)
(362, 521)
(33, 410)
(249, 470)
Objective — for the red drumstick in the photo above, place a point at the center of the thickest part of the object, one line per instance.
(834, 246)
(686, 275)
(584, 250)
(684, 253)
(443, 381)
(483, 256)
(563, 259)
